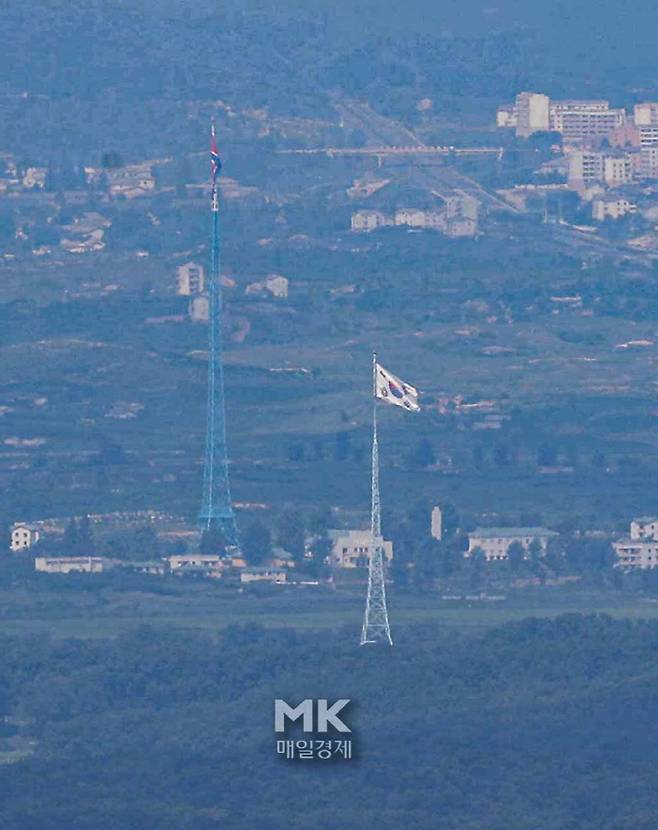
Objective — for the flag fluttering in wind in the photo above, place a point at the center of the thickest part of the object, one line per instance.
(215, 161)
(390, 388)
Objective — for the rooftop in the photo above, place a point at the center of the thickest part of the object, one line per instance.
(509, 532)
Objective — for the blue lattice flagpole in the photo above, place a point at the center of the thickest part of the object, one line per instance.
(216, 509)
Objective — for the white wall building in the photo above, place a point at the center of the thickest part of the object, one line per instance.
(71, 564)
(191, 562)
(276, 575)
(612, 207)
(437, 523)
(190, 279)
(369, 220)
(645, 114)
(23, 536)
(640, 548)
(496, 541)
(532, 113)
(352, 548)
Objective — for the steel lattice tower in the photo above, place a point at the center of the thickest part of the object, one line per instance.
(375, 621)
(216, 509)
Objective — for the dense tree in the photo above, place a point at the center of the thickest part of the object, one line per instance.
(257, 543)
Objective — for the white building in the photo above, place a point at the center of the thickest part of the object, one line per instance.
(646, 114)
(532, 113)
(194, 563)
(495, 542)
(190, 279)
(610, 206)
(369, 220)
(506, 116)
(71, 564)
(352, 548)
(198, 308)
(23, 536)
(640, 548)
(274, 284)
(276, 575)
(437, 523)
(648, 166)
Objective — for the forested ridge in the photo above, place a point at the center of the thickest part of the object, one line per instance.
(542, 724)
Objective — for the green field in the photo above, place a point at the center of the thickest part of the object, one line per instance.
(108, 612)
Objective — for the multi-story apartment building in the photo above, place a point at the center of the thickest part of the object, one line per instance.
(648, 166)
(190, 279)
(587, 167)
(640, 548)
(532, 113)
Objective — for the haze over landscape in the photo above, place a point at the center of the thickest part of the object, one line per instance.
(468, 189)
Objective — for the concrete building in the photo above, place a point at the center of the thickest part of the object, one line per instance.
(131, 181)
(578, 126)
(274, 284)
(506, 116)
(195, 563)
(278, 576)
(190, 279)
(352, 548)
(369, 220)
(437, 523)
(71, 564)
(417, 218)
(648, 135)
(532, 113)
(646, 114)
(23, 536)
(198, 308)
(613, 207)
(618, 170)
(648, 162)
(640, 548)
(588, 166)
(496, 541)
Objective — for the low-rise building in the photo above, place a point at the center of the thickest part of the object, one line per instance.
(71, 564)
(495, 542)
(187, 563)
(274, 284)
(369, 220)
(613, 207)
(23, 536)
(352, 548)
(644, 527)
(267, 574)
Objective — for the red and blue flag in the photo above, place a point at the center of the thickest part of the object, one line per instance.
(215, 161)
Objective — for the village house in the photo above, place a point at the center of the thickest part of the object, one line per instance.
(495, 542)
(278, 576)
(274, 284)
(23, 536)
(198, 563)
(71, 564)
(352, 548)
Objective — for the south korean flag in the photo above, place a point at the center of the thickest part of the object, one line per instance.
(391, 389)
